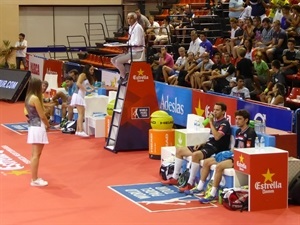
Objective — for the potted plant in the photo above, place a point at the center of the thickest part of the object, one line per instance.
(5, 54)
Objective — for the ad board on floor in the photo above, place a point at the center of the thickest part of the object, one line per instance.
(154, 197)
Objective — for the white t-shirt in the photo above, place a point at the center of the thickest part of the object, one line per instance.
(194, 46)
(155, 26)
(22, 52)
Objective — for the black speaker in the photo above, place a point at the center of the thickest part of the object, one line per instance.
(13, 83)
(294, 190)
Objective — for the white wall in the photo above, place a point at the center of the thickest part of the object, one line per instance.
(47, 25)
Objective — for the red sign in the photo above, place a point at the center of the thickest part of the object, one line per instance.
(203, 104)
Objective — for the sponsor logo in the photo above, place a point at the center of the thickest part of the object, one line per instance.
(12, 162)
(8, 84)
(141, 77)
(240, 164)
(154, 197)
(268, 186)
(140, 113)
(171, 106)
(35, 68)
(261, 117)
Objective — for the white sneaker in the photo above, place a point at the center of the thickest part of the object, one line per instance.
(76, 133)
(39, 183)
(82, 134)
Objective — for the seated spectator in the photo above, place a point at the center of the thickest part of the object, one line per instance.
(279, 42)
(277, 5)
(165, 59)
(227, 89)
(277, 76)
(187, 21)
(266, 37)
(274, 97)
(153, 29)
(249, 50)
(236, 7)
(258, 8)
(244, 67)
(164, 33)
(205, 68)
(246, 12)
(285, 21)
(261, 78)
(248, 34)
(258, 28)
(236, 35)
(205, 45)
(220, 76)
(218, 141)
(170, 73)
(244, 138)
(240, 90)
(294, 29)
(189, 65)
(291, 58)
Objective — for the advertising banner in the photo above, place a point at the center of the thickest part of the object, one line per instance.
(36, 66)
(203, 104)
(275, 117)
(174, 100)
(13, 83)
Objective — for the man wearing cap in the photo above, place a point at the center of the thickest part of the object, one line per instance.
(240, 90)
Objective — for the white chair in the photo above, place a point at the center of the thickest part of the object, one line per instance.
(51, 78)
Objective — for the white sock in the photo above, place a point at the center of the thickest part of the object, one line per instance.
(213, 175)
(213, 191)
(51, 117)
(200, 185)
(193, 171)
(177, 167)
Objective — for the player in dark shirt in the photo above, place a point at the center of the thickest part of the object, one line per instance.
(218, 141)
(244, 138)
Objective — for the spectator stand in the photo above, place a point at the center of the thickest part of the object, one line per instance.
(95, 33)
(76, 44)
(113, 29)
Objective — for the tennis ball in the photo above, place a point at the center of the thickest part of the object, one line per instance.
(161, 120)
(159, 113)
(110, 107)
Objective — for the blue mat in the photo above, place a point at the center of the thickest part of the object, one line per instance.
(154, 197)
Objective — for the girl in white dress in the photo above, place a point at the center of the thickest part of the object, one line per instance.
(38, 125)
(85, 81)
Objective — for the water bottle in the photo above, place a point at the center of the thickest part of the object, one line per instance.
(195, 125)
(257, 144)
(263, 127)
(205, 122)
(262, 142)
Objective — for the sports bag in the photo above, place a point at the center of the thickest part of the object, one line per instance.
(235, 199)
(69, 127)
(166, 170)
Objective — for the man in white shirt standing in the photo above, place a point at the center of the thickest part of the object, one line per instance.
(136, 38)
(21, 47)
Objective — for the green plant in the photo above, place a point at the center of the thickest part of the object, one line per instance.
(5, 53)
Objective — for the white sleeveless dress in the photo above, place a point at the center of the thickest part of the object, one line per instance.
(78, 97)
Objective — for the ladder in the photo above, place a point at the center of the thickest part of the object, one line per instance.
(135, 101)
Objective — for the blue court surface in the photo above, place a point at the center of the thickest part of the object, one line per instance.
(155, 197)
